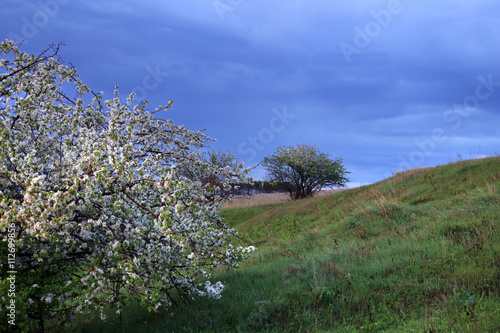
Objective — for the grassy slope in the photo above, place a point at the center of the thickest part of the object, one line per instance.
(415, 252)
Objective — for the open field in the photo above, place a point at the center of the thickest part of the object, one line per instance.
(268, 198)
(417, 252)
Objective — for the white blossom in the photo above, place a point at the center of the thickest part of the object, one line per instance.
(95, 190)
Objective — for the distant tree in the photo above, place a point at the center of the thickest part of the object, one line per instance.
(257, 187)
(304, 170)
(269, 187)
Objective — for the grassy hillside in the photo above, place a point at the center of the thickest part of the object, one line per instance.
(416, 252)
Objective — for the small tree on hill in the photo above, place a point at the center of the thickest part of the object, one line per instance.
(304, 170)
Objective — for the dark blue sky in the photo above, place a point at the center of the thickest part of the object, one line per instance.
(385, 85)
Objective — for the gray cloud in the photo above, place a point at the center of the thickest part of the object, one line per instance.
(229, 75)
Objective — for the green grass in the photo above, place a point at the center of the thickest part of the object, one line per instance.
(417, 252)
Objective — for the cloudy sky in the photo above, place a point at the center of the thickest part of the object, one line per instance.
(384, 85)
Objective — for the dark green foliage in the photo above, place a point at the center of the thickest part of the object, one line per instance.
(304, 170)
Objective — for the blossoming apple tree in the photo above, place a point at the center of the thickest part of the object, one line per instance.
(94, 192)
